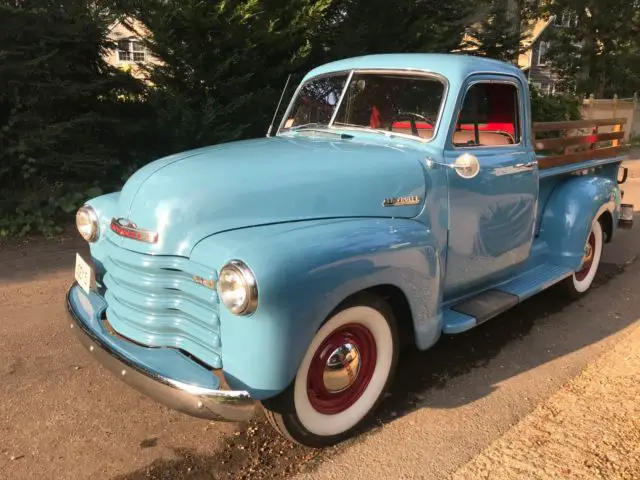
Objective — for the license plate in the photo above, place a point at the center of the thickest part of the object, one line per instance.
(84, 273)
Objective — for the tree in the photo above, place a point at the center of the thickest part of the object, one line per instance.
(553, 108)
(383, 26)
(61, 123)
(225, 63)
(502, 27)
(598, 51)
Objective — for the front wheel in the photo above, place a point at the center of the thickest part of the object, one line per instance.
(343, 375)
(580, 281)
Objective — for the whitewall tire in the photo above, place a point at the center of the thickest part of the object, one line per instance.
(345, 372)
(580, 281)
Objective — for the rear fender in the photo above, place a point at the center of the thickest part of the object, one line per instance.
(304, 270)
(569, 213)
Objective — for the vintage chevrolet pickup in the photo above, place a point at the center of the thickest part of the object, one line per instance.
(402, 197)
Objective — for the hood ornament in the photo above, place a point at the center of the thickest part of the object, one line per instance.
(127, 229)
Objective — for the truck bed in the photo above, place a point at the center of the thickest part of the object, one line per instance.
(564, 147)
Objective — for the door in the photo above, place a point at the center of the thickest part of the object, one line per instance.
(492, 210)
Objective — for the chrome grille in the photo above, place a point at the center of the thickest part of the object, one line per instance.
(154, 301)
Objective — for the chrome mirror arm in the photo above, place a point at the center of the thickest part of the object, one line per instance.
(431, 162)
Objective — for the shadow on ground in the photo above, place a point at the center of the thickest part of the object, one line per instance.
(256, 452)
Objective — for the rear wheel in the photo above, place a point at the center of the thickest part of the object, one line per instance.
(343, 375)
(580, 281)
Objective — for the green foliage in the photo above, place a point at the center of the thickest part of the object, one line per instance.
(40, 210)
(496, 35)
(70, 123)
(501, 27)
(550, 108)
(600, 54)
(553, 108)
(225, 63)
(62, 124)
(360, 27)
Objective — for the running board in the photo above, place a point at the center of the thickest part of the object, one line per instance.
(475, 310)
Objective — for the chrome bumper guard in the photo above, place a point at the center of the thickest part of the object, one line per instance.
(194, 400)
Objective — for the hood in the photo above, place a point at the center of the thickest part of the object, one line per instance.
(195, 194)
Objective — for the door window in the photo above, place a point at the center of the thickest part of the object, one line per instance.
(489, 116)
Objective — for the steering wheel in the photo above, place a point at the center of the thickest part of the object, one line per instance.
(411, 117)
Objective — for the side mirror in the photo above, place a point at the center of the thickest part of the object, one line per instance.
(466, 165)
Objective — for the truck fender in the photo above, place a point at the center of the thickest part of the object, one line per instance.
(304, 270)
(569, 212)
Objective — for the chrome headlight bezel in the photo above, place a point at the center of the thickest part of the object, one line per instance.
(87, 212)
(247, 279)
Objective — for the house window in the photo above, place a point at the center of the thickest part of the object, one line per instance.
(489, 116)
(548, 88)
(131, 51)
(565, 20)
(543, 50)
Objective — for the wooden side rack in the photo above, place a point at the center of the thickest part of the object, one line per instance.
(587, 145)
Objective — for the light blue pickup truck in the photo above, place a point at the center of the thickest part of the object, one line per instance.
(401, 197)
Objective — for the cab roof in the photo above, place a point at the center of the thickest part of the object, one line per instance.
(452, 66)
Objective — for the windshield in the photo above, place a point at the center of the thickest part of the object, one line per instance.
(390, 102)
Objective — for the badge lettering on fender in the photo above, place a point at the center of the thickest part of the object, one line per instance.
(205, 282)
(401, 201)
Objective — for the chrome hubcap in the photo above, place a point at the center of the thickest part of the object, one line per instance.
(587, 259)
(587, 251)
(342, 368)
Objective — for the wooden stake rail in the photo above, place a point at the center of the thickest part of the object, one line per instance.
(593, 152)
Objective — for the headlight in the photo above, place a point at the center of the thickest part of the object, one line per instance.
(87, 223)
(238, 288)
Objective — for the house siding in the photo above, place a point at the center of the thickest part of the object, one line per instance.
(540, 74)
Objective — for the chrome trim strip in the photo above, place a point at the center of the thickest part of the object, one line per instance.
(517, 168)
(131, 231)
(226, 405)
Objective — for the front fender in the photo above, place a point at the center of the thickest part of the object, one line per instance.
(567, 217)
(303, 271)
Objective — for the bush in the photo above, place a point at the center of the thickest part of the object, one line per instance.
(554, 108)
(68, 121)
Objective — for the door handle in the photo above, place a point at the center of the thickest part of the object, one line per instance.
(525, 166)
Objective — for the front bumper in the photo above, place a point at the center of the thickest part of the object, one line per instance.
(164, 374)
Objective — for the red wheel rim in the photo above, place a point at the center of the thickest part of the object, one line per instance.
(341, 369)
(587, 262)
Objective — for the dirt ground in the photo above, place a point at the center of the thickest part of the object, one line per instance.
(472, 404)
(588, 429)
